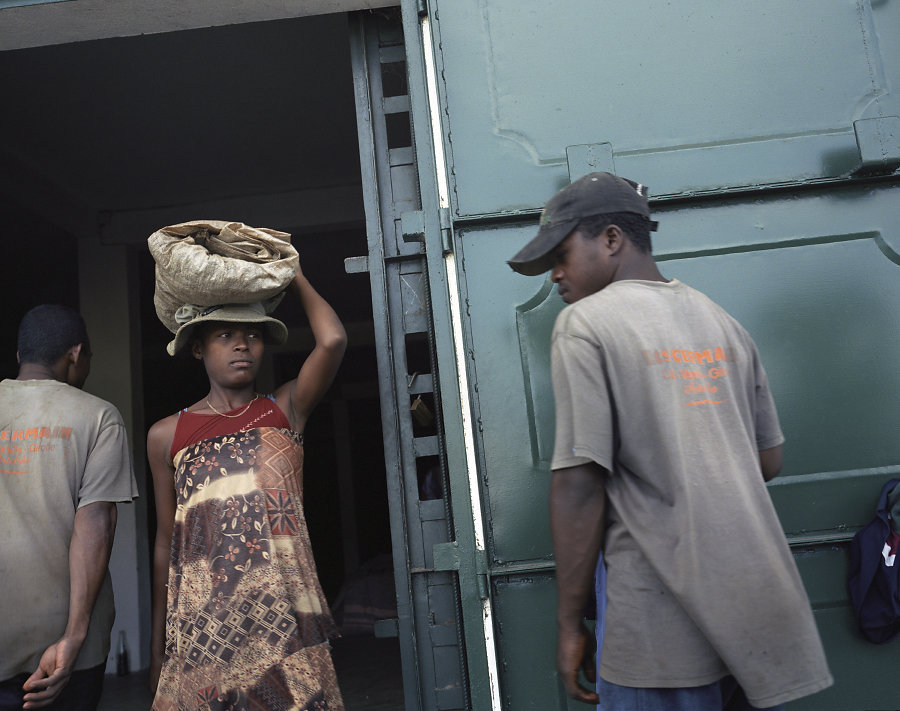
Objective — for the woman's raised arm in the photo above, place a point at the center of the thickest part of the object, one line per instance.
(298, 397)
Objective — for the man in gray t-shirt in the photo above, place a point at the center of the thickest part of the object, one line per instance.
(666, 433)
(64, 463)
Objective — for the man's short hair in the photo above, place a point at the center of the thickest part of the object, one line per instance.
(636, 227)
(48, 331)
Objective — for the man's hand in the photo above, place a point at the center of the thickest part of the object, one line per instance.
(52, 674)
(89, 549)
(577, 514)
(575, 651)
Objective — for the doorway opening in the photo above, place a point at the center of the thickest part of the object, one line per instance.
(114, 138)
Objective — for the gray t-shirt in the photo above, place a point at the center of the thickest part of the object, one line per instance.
(60, 449)
(663, 389)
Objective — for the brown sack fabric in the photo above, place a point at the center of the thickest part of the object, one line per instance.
(208, 262)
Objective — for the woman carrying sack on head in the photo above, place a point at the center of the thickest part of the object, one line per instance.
(242, 622)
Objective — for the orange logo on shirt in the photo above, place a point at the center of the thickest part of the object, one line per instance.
(35, 433)
(696, 379)
(14, 456)
(686, 355)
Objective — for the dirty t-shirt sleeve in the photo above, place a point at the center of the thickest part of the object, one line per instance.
(584, 418)
(108, 473)
(768, 430)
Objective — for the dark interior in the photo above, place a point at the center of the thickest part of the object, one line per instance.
(255, 123)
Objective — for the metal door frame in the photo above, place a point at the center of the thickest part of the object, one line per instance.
(462, 557)
(424, 562)
(470, 557)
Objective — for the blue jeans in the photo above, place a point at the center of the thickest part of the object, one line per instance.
(723, 695)
(82, 693)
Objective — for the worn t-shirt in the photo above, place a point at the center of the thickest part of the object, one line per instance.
(664, 390)
(60, 449)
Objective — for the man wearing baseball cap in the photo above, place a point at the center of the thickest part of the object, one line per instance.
(666, 433)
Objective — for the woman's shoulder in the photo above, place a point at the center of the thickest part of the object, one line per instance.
(168, 424)
(162, 432)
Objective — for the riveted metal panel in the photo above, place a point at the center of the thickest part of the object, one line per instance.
(813, 276)
(688, 97)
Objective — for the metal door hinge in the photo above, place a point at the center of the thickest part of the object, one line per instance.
(481, 573)
(412, 227)
(878, 140)
(446, 230)
(589, 158)
(447, 558)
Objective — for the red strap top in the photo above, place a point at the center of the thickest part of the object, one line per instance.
(193, 427)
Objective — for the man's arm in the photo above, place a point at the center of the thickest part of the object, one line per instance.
(89, 550)
(577, 507)
(770, 462)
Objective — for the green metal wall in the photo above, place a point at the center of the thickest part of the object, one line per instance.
(768, 133)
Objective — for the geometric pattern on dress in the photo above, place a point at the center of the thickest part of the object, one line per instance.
(281, 512)
(279, 460)
(195, 532)
(207, 696)
(210, 640)
(266, 617)
(311, 673)
(271, 693)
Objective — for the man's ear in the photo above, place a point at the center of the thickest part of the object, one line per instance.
(614, 238)
(196, 349)
(74, 353)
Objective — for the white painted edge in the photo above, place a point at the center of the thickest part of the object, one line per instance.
(465, 404)
(487, 614)
(435, 111)
(472, 471)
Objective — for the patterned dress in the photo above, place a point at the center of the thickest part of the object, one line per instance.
(247, 625)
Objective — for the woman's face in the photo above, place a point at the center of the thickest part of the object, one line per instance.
(231, 352)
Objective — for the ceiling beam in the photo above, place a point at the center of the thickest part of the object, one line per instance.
(47, 23)
(320, 209)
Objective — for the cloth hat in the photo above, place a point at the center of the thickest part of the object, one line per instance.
(190, 316)
(593, 194)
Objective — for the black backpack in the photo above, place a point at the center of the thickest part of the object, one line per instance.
(874, 574)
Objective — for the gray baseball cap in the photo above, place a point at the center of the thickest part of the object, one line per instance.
(593, 194)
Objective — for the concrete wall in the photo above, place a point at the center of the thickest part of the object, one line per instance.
(109, 300)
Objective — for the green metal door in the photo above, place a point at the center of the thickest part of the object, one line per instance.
(769, 134)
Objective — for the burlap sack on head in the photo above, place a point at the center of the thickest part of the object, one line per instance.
(208, 262)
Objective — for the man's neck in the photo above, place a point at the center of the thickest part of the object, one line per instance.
(36, 371)
(643, 269)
